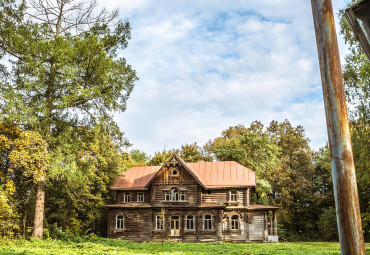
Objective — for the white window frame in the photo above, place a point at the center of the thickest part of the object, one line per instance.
(233, 196)
(120, 222)
(207, 222)
(190, 221)
(235, 223)
(159, 223)
(175, 194)
(167, 196)
(183, 196)
(140, 197)
(126, 198)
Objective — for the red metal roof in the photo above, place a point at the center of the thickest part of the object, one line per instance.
(135, 178)
(221, 174)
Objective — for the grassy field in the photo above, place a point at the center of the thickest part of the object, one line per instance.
(110, 246)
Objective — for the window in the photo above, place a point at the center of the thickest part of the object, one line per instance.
(190, 222)
(174, 171)
(140, 197)
(126, 198)
(233, 196)
(235, 222)
(207, 224)
(120, 222)
(182, 196)
(159, 223)
(175, 194)
(167, 196)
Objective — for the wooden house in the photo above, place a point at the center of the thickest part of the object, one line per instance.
(189, 202)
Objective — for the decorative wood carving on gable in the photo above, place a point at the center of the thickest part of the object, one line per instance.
(174, 163)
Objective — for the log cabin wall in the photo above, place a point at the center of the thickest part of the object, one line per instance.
(213, 234)
(133, 196)
(137, 224)
(215, 196)
(182, 180)
(159, 191)
(233, 233)
(222, 197)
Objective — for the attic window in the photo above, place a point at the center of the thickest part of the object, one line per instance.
(174, 171)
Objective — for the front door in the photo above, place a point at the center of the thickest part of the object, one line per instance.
(175, 226)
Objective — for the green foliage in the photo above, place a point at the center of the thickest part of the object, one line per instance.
(292, 180)
(328, 225)
(95, 245)
(66, 80)
(139, 156)
(252, 147)
(191, 153)
(85, 167)
(23, 157)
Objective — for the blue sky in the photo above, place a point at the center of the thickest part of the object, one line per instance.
(206, 65)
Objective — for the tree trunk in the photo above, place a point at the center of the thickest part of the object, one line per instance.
(38, 224)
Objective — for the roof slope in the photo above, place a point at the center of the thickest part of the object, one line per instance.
(135, 178)
(223, 174)
(212, 175)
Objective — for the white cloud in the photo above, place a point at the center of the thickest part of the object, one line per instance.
(208, 65)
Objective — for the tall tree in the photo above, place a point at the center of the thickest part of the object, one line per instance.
(252, 147)
(78, 187)
(65, 73)
(292, 180)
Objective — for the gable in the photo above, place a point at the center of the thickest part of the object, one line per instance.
(175, 163)
(175, 171)
(210, 175)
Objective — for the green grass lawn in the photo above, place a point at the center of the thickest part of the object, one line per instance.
(111, 246)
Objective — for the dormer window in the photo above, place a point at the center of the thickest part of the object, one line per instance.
(233, 196)
(126, 198)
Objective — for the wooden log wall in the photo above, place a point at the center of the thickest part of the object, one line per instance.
(222, 197)
(137, 225)
(235, 235)
(133, 196)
